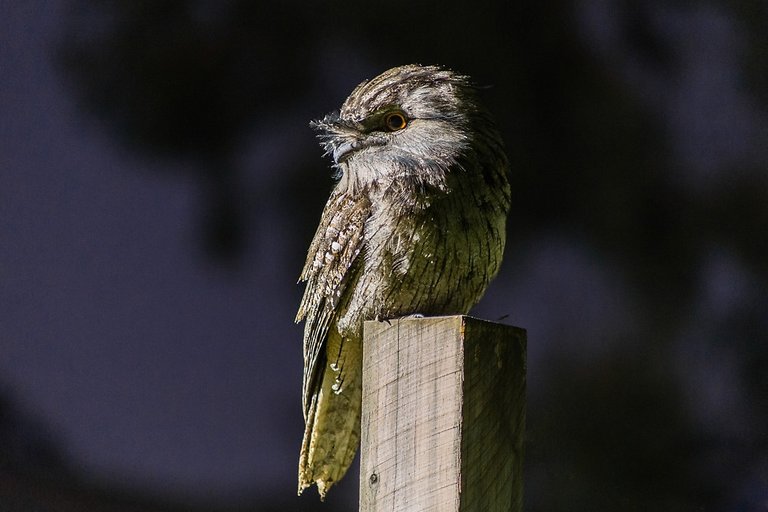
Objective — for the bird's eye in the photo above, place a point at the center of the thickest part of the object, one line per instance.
(395, 121)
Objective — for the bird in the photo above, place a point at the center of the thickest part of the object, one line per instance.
(415, 225)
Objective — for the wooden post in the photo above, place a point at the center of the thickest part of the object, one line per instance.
(443, 416)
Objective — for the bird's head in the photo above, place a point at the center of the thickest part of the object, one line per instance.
(410, 122)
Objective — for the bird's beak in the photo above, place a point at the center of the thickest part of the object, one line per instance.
(342, 151)
(339, 137)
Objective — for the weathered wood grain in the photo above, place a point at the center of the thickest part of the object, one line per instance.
(443, 416)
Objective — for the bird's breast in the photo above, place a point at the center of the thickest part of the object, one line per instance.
(431, 261)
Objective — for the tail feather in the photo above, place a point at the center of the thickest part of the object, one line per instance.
(332, 430)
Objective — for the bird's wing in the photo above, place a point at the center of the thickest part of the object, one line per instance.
(328, 272)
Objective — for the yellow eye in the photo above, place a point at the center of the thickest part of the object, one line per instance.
(395, 121)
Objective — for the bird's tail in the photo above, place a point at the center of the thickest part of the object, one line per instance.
(332, 430)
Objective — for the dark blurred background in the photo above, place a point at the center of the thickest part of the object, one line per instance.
(159, 186)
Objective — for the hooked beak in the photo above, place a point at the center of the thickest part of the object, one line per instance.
(339, 138)
(342, 151)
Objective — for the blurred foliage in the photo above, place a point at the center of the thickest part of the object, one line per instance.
(186, 79)
(26, 444)
(592, 158)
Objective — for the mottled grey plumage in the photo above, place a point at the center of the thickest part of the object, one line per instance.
(415, 225)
